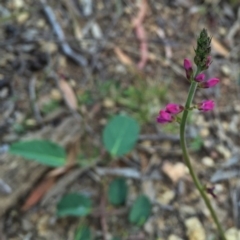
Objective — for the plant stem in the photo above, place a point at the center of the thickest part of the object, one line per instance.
(186, 157)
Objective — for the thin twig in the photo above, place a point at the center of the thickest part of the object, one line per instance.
(67, 50)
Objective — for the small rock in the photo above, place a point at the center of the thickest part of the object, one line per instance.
(187, 210)
(96, 31)
(42, 226)
(56, 95)
(204, 132)
(49, 47)
(18, 4)
(149, 226)
(41, 23)
(108, 103)
(174, 237)
(195, 229)
(224, 151)
(166, 197)
(207, 161)
(226, 70)
(174, 171)
(87, 6)
(22, 18)
(148, 189)
(31, 122)
(232, 234)
(27, 225)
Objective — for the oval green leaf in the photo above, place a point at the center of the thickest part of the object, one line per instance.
(120, 135)
(83, 233)
(117, 192)
(42, 151)
(74, 204)
(140, 211)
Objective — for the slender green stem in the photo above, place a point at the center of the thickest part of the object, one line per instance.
(186, 157)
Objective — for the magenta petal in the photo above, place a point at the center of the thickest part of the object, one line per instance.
(200, 77)
(187, 64)
(164, 117)
(210, 83)
(206, 105)
(174, 108)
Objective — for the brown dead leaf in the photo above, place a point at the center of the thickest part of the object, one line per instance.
(72, 152)
(219, 48)
(37, 194)
(68, 94)
(123, 57)
(174, 171)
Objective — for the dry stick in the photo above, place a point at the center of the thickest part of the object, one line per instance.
(32, 95)
(67, 50)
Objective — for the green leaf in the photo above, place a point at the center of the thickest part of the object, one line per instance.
(74, 204)
(120, 135)
(83, 233)
(42, 151)
(117, 192)
(140, 211)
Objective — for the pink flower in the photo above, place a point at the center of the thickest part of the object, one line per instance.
(200, 77)
(206, 105)
(210, 83)
(164, 117)
(174, 108)
(188, 68)
(187, 64)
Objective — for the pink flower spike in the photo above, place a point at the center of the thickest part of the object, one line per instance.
(206, 105)
(164, 117)
(174, 108)
(187, 64)
(200, 77)
(210, 83)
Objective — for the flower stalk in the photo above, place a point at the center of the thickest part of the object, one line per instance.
(170, 112)
(187, 160)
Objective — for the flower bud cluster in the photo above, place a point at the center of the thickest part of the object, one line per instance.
(168, 114)
(206, 105)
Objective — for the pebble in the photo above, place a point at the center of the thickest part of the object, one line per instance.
(166, 197)
(232, 234)
(174, 237)
(224, 151)
(204, 132)
(56, 95)
(207, 161)
(31, 122)
(108, 103)
(148, 189)
(149, 226)
(23, 17)
(226, 70)
(18, 4)
(195, 229)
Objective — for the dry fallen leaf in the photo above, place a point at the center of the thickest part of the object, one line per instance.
(174, 171)
(68, 94)
(123, 57)
(219, 48)
(37, 194)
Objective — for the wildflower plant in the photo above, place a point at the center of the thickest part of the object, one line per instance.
(171, 112)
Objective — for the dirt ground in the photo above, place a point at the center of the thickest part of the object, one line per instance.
(67, 66)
